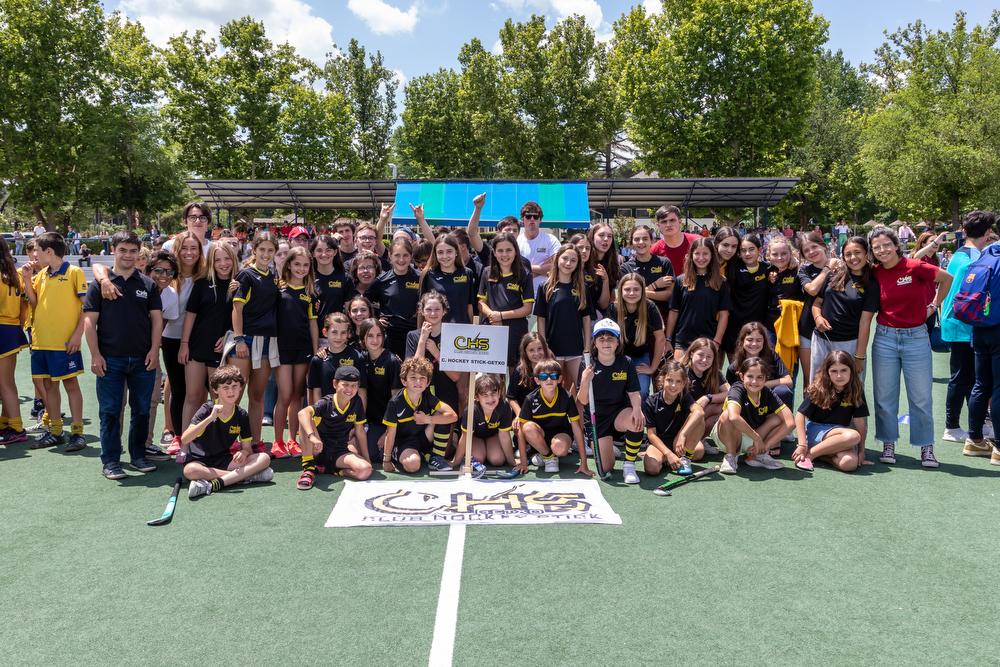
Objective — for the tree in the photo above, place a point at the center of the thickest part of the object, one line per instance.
(933, 144)
(717, 87)
(832, 184)
(370, 88)
(52, 60)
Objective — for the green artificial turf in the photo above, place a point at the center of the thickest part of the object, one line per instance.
(890, 565)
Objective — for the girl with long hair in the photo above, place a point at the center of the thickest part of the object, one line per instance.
(396, 293)
(700, 303)
(594, 274)
(505, 297)
(446, 274)
(641, 328)
(564, 312)
(332, 287)
(13, 312)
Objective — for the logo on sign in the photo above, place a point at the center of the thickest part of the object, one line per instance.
(478, 343)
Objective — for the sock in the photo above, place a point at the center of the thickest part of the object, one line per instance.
(441, 435)
(308, 463)
(56, 426)
(550, 457)
(217, 484)
(633, 440)
(16, 424)
(76, 428)
(4, 423)
(45, 419)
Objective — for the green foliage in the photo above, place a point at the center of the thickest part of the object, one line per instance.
(717, 87)
(933, 145)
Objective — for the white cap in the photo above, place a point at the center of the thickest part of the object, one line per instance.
(607, 325)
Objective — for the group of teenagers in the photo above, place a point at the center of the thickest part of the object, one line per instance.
(350, 329)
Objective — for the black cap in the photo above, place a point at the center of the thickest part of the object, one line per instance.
(348, 373)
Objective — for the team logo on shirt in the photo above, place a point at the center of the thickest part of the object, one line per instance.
(347, 362)
(762, 410)
(846, 404)
(141, 294)
(513, 287)
(656, 269)
(904, 280)
(334, 283)
(759, 277)
(412, 285)
(352, 418)
(788, 280)
(234, 430)
(305, 297)
(619, 375)
(460, 279)
(379, 370)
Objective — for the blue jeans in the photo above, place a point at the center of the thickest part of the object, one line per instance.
(124, 372)
(906, 351)
(986, 392)
(644, 380)
(271, 395)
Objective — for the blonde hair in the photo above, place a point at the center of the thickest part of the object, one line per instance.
(641, 311)
(576, 279)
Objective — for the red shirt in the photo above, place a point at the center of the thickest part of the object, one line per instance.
(675, 255)
(903, 291)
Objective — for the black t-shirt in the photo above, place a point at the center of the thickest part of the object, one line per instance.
(396, 297)
(399, 415)
(807, 273)
(213, 311)
(696, 385)
(219, 436)
(500, 420)
(563, 319)
(753, 413)
(321, 371)
(123, 325)
(749, 292)
(507, 293)
(334, 423)
(458, 287)
(259, 292)
(840, 412)
(295, 312)
(612, 384)
(442, 385)
(383, 379)
(594, 284)
(666, 417)
(654, 322)
(651, 270)
(783, 285)
(517, 391)
(333, 291)
(552, 416)
(698, 310)
(843, 308)
(778, 369)
(346, 256)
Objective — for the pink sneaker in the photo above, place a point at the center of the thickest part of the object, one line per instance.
(174, 447)
(805, 464)
(278, 450)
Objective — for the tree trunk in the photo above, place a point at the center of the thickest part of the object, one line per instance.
(955, 211)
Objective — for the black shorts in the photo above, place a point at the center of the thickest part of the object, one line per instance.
(606, 423)
(293, 356)
(328, 457)
(220, 460)
(420, 443)
(208, 356)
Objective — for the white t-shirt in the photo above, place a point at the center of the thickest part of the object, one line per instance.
(168, 300)
(537, 250)
(175, 324)
(38, 230)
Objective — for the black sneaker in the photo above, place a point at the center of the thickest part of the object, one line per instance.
(142, 465)
(114, 471)
(76, 443)
(49, 439)
(154, 453)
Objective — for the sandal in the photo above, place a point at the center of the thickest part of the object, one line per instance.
(306, 480)
(775, 452)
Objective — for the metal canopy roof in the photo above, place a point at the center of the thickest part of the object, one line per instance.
(688, 192)
(602, 195)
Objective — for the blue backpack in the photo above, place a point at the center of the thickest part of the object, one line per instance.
(974, 299)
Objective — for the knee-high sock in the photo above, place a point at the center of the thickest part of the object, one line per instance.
(633, 440)
(442, 432)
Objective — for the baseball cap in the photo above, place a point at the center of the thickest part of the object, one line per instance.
(347, 373)
(297, 231)
(607, 325)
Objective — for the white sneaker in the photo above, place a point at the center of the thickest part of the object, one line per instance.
(199, 487)
(954, 435)
(536, 460)
(710, 448)
(729, 464)
(552, 464)
(589, 450)
(628, 470)
(764, 461)
(618, 451)
(265, 475)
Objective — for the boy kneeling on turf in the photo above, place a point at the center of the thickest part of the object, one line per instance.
(549, 420)
(207, 443)
(413, 418)
(328, 424)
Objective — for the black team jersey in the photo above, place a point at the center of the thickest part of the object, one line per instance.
(459, 288)
(563, 319)
(667, 417)
(840, 412)
(611, 384)
(333, 292)
(696, 386)
(382, 375)
(258, 291)
(218, 437)
(783, 285)
(295, 311)
(335, 422)
(754, 413)
(396, 297)
(502, 419)
(654, 322)
(321, 371)
(552, 416)
(749, 292)
(698, 310)
(777, 370)
(399, 415)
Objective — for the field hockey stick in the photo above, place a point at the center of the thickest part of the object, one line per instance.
(665, 489)
(168, 513)
(593, 426)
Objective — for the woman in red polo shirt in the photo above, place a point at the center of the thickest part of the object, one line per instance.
(902, 345)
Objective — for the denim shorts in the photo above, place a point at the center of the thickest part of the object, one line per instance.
(815, 432)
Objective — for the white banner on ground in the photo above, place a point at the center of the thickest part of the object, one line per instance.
(476, 348)
(470, 502)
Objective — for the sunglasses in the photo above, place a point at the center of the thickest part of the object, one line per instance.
(532, 216)
(170, 273)
(548, 376)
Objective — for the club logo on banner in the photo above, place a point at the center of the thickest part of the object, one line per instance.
(469, 501)
(476, 348)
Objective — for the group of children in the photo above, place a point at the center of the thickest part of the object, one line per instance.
(354, 348)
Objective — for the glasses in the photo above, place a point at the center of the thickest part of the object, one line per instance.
(532, 216)
(169, 273)
(197, 218)
(366, 269)
(548, 376)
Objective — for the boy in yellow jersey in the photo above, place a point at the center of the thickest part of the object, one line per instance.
(56, 296)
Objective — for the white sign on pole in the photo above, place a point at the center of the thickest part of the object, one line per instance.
(473, 348)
